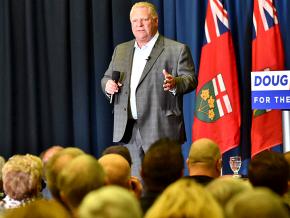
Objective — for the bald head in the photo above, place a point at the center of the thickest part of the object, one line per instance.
(50, 152)
(117, 169)
(204, 156)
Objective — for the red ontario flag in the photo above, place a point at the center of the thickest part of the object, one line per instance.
(267, 54)
(217, 112)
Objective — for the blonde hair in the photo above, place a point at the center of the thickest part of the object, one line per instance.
(148, 5)
(185, 199)
(109, 202)
(2, 162)
(55, 164)
(22, 176)
(80, 176)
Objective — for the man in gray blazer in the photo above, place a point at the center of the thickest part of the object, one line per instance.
(155, 72)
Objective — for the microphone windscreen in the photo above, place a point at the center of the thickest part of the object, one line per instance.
(116, 76)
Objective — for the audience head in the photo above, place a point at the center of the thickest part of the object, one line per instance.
(54, 166)
(185, 198)
(78, 177)
(110, 202)
(47, 154)
(162, 164)
(39, 208)
(22, 176)
(256, 203)
(224, 189)
(118, 172)
(287, 157)
(269, 169)
(2, 162)
(204, 158)
(117, 169)
(119, 149)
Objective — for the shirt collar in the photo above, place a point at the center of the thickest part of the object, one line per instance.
(150, 43)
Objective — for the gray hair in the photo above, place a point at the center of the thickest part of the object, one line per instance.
(152, 8)
(259, 202)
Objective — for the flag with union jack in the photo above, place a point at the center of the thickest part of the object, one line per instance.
(217, 112)
(267, 54)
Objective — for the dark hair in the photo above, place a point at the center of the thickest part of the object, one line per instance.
(269, 169)
(162, 164)
(119, 149)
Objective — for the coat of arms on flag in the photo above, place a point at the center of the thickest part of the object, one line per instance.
(212, 101)
(217, 95)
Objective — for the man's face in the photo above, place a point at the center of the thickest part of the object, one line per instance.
(144, 26)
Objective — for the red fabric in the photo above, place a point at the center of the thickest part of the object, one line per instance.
(267, 54)
(218, 57)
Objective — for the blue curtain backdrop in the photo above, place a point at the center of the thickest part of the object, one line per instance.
(53, 54)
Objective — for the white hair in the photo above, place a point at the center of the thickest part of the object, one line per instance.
(152, 8)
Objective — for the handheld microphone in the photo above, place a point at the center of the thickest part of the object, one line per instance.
(115, 77)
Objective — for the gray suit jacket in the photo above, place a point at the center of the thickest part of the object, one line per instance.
(159, 112)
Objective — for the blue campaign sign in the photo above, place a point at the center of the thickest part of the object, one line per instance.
(270, 90)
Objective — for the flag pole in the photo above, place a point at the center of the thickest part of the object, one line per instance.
(286, 130)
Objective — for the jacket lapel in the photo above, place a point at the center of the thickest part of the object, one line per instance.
(129, 59)
(155, 53)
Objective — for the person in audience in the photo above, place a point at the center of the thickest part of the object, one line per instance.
(78, 177)
(204, 161)
(287, 156)
(54, 166)
(40, 208)
(117, 169)
(162, 165)
(224, 189)
(118, 172)
(45, 157)
(185, 198)
(48, 153)
(121, 150)
(2, 162)
(269, 169)
(256, 203)
(110, 202)
(287, 194)
(22, 176)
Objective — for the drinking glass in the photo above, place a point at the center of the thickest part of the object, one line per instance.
(235, 164)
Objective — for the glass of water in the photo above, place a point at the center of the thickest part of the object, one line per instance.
(235, 164)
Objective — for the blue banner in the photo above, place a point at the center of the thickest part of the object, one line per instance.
(277, 99)
(270, 90)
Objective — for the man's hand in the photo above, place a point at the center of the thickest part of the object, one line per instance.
(169, 81)
(112, 87)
